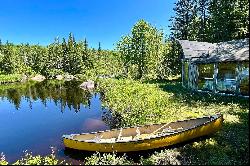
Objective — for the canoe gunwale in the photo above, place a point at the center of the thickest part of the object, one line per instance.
(212, 119)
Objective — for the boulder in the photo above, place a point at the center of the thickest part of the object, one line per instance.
(38, 78)
(59, 77)
(24, 78)
(88, 85)
(69, 77)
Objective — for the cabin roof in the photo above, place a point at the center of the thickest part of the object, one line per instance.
(204, 52)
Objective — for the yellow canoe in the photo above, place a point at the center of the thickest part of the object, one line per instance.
(144, 137)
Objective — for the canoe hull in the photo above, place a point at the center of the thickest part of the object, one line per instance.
(147, 144)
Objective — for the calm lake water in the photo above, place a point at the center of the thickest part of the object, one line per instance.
(34, 116)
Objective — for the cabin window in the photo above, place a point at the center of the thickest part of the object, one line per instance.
(226, 82)
(244, 79)
(205, 77)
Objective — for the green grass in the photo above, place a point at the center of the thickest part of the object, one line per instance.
(10, 78)
(164, 101)
(136, 102)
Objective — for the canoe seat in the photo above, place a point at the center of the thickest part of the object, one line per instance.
(168, 130)
(110, 140)
(124, 139)
(142, 136)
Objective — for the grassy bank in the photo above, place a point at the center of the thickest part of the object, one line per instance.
(10, 78)
(164, 101)
(136, 102)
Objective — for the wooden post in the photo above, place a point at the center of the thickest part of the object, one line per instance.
(188, 79)
(196, 76)
(183, 72)
(215, 79)
(238, 68)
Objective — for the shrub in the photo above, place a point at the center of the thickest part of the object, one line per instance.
(107, 159)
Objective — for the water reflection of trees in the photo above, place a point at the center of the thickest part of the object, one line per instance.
(67, 94)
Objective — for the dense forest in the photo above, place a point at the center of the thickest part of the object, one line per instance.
(211, 20)
(145, 53)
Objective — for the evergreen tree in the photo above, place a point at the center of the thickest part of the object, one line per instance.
(185, 13)
(210, 20)
(202, 10)
(85, 56)
(1, 45)
(99, 48)
(64, 55)
(74, 55)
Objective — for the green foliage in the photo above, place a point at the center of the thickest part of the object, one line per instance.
(107, 159)
(70, 57)
(211, 20)
(165, 101)
(29, 159)
(105, 64)
(164, 157)
(10, 61)
(144, 55)
(10, 78)
(52, 73)
(229, 19)
(185, 13)
(125, 97)
(171, 62)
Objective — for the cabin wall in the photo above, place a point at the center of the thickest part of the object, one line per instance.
(244, 79)
(192, 76)
(223, 77)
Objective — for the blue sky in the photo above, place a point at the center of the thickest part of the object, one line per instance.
(40, 21)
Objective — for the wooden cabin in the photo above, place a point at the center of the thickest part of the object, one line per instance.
(216, 67)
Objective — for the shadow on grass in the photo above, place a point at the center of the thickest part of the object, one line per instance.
(229, 146)
(190, 97)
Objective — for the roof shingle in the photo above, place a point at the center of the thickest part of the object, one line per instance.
(204, 52)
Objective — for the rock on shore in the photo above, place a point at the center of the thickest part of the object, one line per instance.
(88, 85)
(38, 78)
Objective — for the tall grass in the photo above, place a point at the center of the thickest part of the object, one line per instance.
(10, 78)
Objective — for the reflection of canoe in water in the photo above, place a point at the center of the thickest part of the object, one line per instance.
(144, 137)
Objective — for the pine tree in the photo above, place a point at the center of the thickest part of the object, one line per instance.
(1, 45)
(99, 48)
(65, 55)
(85, 55)
(202, 9)
(184, 15)
(210, 20)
